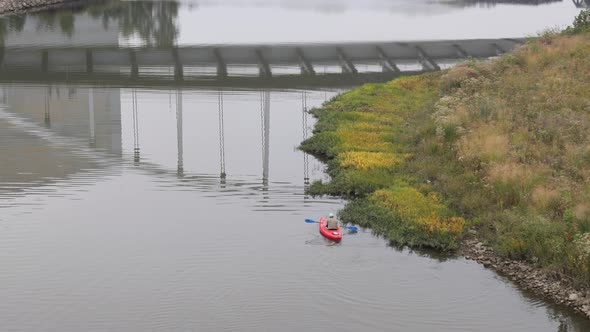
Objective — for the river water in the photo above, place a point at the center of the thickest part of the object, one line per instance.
(128, 208)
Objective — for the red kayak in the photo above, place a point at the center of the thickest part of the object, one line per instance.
(332, 234)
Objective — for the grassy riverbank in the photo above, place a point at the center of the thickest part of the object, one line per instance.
(500, 146)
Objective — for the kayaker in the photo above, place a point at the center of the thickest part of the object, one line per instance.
(332, 222)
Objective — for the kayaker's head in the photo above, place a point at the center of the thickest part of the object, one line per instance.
(331, 215)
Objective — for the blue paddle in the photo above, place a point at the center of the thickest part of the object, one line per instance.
(350, 228)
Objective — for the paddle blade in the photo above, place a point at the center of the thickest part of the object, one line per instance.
(309, 221)
(352, 228)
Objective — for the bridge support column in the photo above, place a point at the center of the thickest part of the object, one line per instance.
(460, 51)
(425, 60)
(221, 66)
(386, 62)
(306, 66)
(178, 72)
(347, 65)
(263, 65)
(498, 49)
(134, 65)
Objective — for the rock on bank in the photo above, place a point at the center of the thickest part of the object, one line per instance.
(551, 285)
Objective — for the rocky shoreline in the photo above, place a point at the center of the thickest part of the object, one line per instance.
(547, 285)
(19, 6)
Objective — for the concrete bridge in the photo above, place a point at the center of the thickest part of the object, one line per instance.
(276, 66)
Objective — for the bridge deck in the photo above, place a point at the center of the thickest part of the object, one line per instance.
(289, 64)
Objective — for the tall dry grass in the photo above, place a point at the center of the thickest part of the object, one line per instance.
(524, 121)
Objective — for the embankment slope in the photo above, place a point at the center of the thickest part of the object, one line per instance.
(499, 150)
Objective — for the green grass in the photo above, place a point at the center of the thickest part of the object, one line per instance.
(363, 136)
(503, 144)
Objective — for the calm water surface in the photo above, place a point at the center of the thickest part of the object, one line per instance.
(132, 209)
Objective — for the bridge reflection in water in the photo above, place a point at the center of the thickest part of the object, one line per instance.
(266, 66)
(91, 128)
(263, 100)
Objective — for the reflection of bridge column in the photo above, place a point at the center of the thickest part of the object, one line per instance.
(180, 163)
(221, 138)
(91, 116)
(135, 127)
(266, 133)
(305, 134)
(47, 115)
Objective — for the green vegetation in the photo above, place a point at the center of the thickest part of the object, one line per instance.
(503, 144)
(366, 136)
(581, 24)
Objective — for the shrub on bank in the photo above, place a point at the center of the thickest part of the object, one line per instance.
(581, 23)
